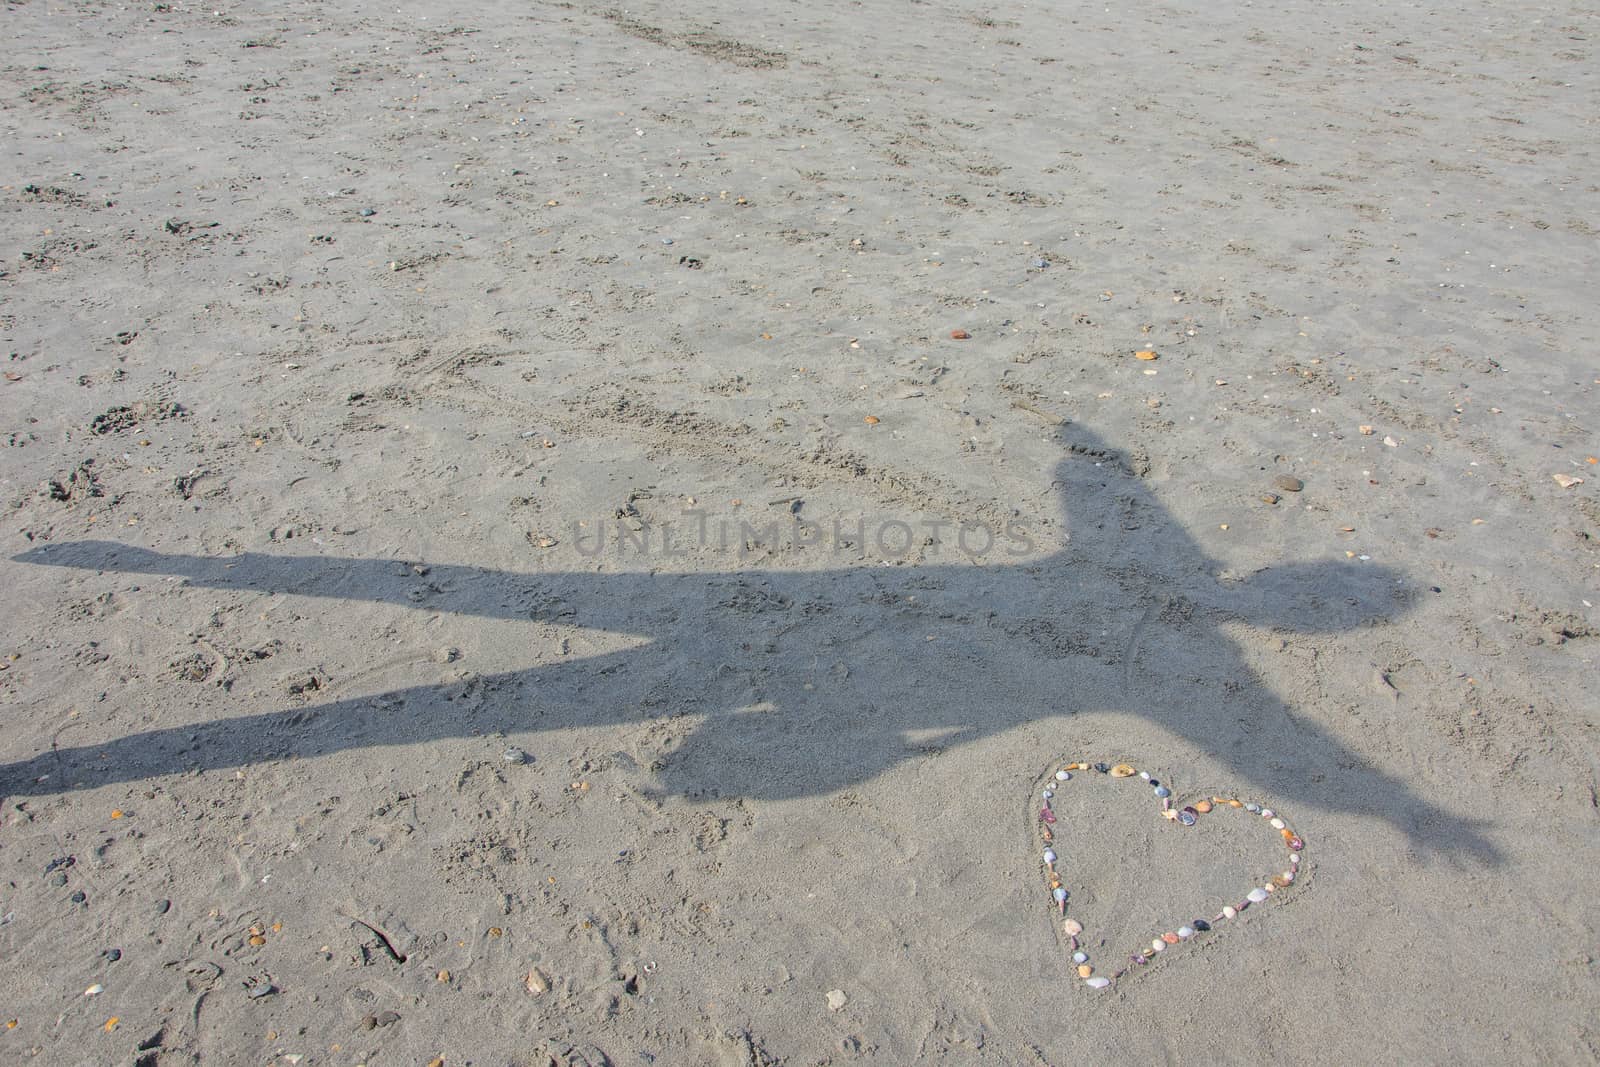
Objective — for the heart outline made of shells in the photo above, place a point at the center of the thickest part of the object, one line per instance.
(1189, 815)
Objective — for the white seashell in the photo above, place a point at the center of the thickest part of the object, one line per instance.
(1294, 857)
(1062, 776)
(1229, 912)
(1256, 895)
(1049, 794)
(1158, 945)
(1267, 813)
(1185, 932)
(1049, 855)
(1145, 775)
(94, 989)
(1277, 824)
(1288, 876)
(1080, 957)
(1097, 982)
(1072, 927)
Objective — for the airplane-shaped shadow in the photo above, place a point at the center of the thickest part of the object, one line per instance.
(794, 710)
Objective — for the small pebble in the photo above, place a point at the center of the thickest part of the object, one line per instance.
(367, 212)
(1288, 483)
(80, 897)
(1062, 776)
(1185, 933)
(837, 1000)
(1200, 926)
(1256, 895)
(1049, 794)
(1146, 776)
(112, 955)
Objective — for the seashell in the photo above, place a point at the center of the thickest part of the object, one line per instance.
(1047, 835)
(1158, 945)
(1200, 926)
(1146, 776)
(1062, 776)
(1049, 794)
(1203, 806)
(1170, 938)
(1235, 803)
(1140, 959)
(1256, 895)
(1185, 933)
(1060, 895)
(1101, 767)
(1080, 957)
(1084, 970)
(1228, 913)
(1294, 857)
(1296, 844)
(1163, 791)
(1277, 824)
(1097, 983)
(1122, 770)
(1169, 814)
(1188, 817)
(1252, 808)
(1267, 813)
(1055, 880)
(1284, 880)
(1050, 855)
(1072, 927)
(1046, 814)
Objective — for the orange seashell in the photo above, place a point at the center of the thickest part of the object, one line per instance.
(1055, 883)
(1048, 836)
(1281, 881)
(1235, 803)
(1146, 354)
(1286, 833)
(959, 335)
(871, 420)
(1123, 770)
(1084, 970)
(1203, 806)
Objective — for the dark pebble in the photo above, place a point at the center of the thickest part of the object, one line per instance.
(60, 879)
(163, 906)
(1288, 483)
(388, 1018)
(1103, 768)
(367, 212)
(1201, 925)
(369, 1022)
(113, 955)
(60, 863)
(80, 897)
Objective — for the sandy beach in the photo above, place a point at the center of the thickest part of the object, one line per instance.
(552, 534)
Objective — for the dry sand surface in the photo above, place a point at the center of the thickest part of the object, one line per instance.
(508, 558)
